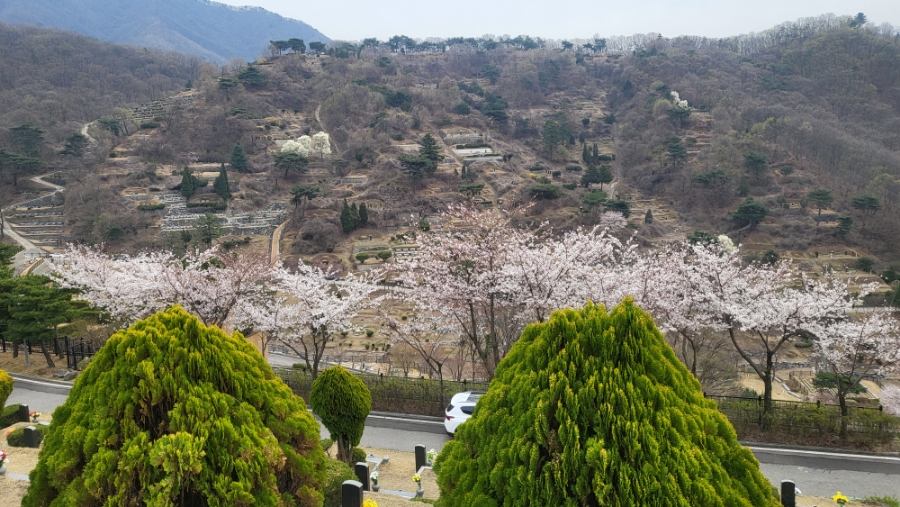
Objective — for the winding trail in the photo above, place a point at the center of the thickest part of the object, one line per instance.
(274, 246)
(30, 251)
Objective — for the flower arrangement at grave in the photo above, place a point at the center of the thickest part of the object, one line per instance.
(35, 415)
(840, 499)
(431, 455)
(368, 502)
(374, 477)
(417, 479)
(4, 458)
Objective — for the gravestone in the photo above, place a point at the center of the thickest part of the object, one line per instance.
(23, 413)
(788, 494)
(351, 494)
(362, 474)
(31, 438)
(420, 457)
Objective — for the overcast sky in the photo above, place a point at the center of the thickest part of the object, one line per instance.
(358, 19)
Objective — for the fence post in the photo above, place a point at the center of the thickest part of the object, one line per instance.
(362, 475)
(351, 494)
(788, 494)
(420, 457)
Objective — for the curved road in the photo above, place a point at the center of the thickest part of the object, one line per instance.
(818, 473)
(30, 250)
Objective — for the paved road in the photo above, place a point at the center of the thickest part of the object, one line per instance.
(30, 251)
(815, 472)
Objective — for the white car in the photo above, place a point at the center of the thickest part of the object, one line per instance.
(460, 409)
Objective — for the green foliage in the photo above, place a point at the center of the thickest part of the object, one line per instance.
(595, 174)
(829, 380)
(349, 217)
(711, 178)
(618, 205)
(429, 149)
(648, 216)
(342, 401)
(573, 168)
(770, 257)
(27, 139)
(786, 170)
(239, 160)
(462, 109)
(152, 207)
(6, 388)
(9, 415)
(675, 148)
(595, 198)
(252, 77)
(593, 408)
(750, 212)
(544, 191)
(221, 185)
(887, 500)
(291, 161)
(208, 228)
(359, 455)
(865, 264)
(844, 225)
(75, 145)
(31, 307)
(149, 125)
(336, 472)
(234, 243)
(363, 214)
(821, 198)
(471, 189)
(362, 256)
(385, 255)
(189, 183)
(755, 162)
(172, 411)
(16, 437)
(424, 226)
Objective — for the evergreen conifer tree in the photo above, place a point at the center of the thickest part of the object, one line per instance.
(188, 183)
(593, 408)
(6, 388)
(171, 412)
(585, 156)
(648, 217)
(595, 157)
(221, 185)
(363, 214)
(429, 149)
(239, 161)
(347, 221)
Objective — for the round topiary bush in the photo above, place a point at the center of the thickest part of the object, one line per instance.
(592, 408)
(336, 472)
(6, 387)
(343, 402)
(171, 412)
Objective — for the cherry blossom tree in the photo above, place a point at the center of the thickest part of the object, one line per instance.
(316, 309)
(890, 399)
(854, 349)
(459, 273)
(423, 334)
(208, 284)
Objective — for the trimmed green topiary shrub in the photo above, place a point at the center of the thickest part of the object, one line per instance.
(171, 412)
(343, 402)
(593, 408)
(336, 472)
(9, 415)
(16, 437)
(359, 455)
(6, 387)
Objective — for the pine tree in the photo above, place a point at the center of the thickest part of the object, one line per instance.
(221, 185)
(347, 221)
(171, 412)
(429, 149)
(188, 183)
(648, 217)
(596, 155)
(363, 214)
(239, 161)
(585, 156)
(593, 408)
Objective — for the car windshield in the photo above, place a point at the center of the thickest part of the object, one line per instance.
(468, 410)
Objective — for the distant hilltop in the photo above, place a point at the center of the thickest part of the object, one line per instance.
(215, 31)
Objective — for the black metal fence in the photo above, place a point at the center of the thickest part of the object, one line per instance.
(802, 420)
(78, 351)
(394, 394)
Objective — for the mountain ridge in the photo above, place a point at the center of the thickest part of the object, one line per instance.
(213, 30)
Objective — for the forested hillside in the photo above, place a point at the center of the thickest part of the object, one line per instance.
(786, 141)
(215, 31)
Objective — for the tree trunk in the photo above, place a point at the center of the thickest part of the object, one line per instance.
(767, 394)
(15, 349)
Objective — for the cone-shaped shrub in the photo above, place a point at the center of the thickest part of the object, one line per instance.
(171, 412)
(343, 402)
(594, 409)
